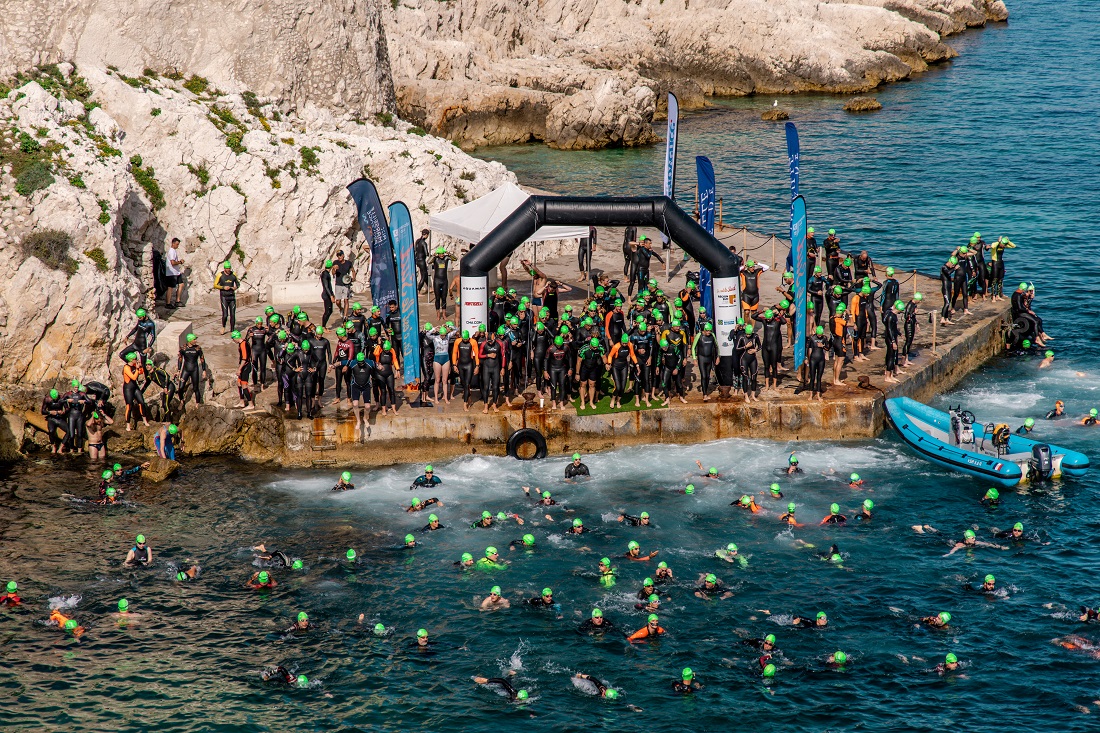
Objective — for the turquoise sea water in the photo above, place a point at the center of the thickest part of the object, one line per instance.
(1003, 140)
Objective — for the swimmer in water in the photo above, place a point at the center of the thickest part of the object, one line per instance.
(140, 553)
(854, 481)
(970, 541)
(491, 561)
(410, 541)
(1016, 533)
(576, 469)
(422, 640)
(837, 660)
(185, 576)
(1027, 427)
(991, 498)
(712, 472)
(865, 511)
(730, 555)
(939, 621)
(651, 630)
(109, 497)
(466, 561)
(344, 484)
(789, 516)
(261, 579)
(775, 492)
(607, 573)
(746, 502)
(429, 479)
(767, 644)
(819, 621)
(543, 499)
(124, 615)
(792, 465)
(546, 600)
(595, 624)
(712, 588)
(834, 516)
(633, 552)
(1048, 359)
(950, 664)
(417, 505)
(689, 490)
(527, 542)
(686, 684)
(64, 623)
(432, 525)
(642, 520)
(1058, 411)
(505, 686)
(663, 572)
(652, 604)
(485, 521)
(302, 624)
(576, 528)
(647, 589)
(10, 597)
(282, 676)
(602, 688)
(989, 584)
(275, 556)
(494, 600)
(1091, 420)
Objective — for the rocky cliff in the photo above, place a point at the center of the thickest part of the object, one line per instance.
(330, 53)
(588, 73)
(104, 168)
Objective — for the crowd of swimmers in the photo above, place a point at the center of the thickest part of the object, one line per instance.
(769, 663)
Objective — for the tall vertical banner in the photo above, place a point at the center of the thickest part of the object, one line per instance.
(372, 220)
(798, 247)
(792, 156)
(670, 153)
(401, 231)
(705, 173)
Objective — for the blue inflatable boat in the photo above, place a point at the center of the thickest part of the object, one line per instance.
(992, 452)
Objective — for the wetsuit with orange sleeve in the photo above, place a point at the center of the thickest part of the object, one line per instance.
(465, 357)
(387, 361)
(645, 633)
(839, 330)
(619, 359)
(131, 392)
(750, 289)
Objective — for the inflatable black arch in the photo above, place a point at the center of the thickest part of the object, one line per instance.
(659, 212)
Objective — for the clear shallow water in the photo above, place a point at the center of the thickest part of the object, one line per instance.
(1002, 140)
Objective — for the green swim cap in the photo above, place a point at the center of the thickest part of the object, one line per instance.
(495, 590)
(745, 500)
(303, 616)
(521, 695)
(296, 565)
(70, 625)
(840, 657)
(647, 582)
(605, 561)
(1092, 412)
(341, 331)
(652, 618)
(54, 394)
(12, 586)
(123, 604)
(689, 489)
(790, 507)
(409, 538)
(769, 671)
(1026, 343)
(546, 495)
(632, 545)
(303, 681)
(945, 616)
(360, 356)
(821, 615)
(1029, 422)
(232, 335)
(868, 504)
(1019, 526)
(832, 231)
(990, 579)
(768, 313)
(107, 475)
(421, 633)
(172, 429)
(1048, 353)
(346, 476)
(854, 477)
(576, 456)
(712, 471)
(993, 494)
(140, 539)
(951, 658)
(687, 674)
(558, 340)
(191, 337)
(181, 576)
(501, 516)
(611, 694)
(490, 551)
(578, 523)
(711, 578)
(834, 508)
(433, 518)
(644, 515)
(597, 613)
(662, 565)
(969, 534)
(486, 515)
(774, 488)
(414, 501)
(379, 629)
(111, 491)
(350, 554)
(770, 639)
(467, 557)
(117, 467)
(952, 261)
(731, 547)
(263, 577)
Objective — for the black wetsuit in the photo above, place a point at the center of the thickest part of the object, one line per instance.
(491, 356)
(573, 471)
(227, 284)
(191, 364)
(772, 344)
(465, 350)
(142, 336)
(420, 255)
(910, 327)
(439, 264)
(558, 369)
(890, 332)
(321, 354)
(947, 280)
(588, 627)
(258, 337)
(54, 410)
(327, 296)
(706, 355)
(749, 345)
(360, 380)
(816, 346)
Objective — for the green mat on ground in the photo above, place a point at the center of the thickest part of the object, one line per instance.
(603, 407)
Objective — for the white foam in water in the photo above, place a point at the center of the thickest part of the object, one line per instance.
(58, 603)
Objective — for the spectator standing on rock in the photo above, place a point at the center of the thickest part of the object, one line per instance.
(173, 271)
(344, 270)
(227, 283)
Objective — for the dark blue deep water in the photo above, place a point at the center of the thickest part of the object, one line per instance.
(1002, 140)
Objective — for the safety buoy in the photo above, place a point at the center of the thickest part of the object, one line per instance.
(521, 443)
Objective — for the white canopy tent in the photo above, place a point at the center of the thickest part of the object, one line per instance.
(472, 222)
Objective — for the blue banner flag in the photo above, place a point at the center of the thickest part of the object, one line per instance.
(670, 152)
(401, 230)
(705, 173)
(372, 220)
(792, 156)
(798, 247)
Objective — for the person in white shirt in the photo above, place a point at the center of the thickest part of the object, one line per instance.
(173, 271)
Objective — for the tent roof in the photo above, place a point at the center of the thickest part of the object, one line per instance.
(473, 221)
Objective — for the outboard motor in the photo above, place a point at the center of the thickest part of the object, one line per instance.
(1041, 463)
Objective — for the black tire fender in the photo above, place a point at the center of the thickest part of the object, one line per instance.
(522, 437)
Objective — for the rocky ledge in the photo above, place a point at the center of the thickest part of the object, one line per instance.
(585, 74)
